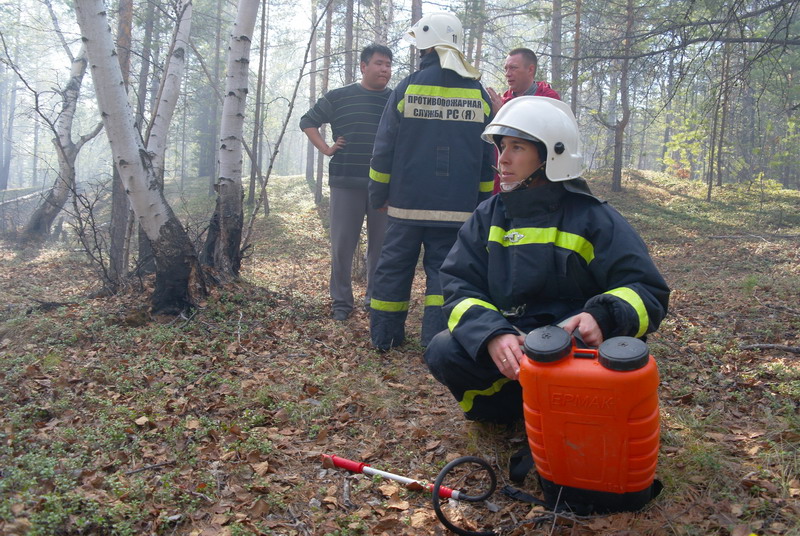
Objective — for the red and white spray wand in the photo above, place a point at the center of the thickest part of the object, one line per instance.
(331, 461)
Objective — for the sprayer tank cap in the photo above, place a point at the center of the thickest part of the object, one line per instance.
(547, 344)
(623, 354)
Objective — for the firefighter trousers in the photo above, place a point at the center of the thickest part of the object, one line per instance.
(394, 275)
(483, 393)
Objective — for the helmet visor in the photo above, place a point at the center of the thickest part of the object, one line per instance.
(494, 133)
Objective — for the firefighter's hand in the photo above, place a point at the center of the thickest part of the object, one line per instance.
(340, 142)
(587, 327)
(506, 352)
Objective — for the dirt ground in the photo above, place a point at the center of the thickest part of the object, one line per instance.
(216, 422)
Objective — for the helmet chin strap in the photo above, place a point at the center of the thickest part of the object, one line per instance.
(513, 186)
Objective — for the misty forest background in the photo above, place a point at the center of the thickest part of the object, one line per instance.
(706, 91)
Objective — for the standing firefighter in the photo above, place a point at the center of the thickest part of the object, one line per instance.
(430, 168)
(543, 251)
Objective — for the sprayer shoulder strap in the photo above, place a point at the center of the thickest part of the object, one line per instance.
(520, 464)
(519, 495)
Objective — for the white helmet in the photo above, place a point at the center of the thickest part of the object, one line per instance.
(546, 120)
(440, 28)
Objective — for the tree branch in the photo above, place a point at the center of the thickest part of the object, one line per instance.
(57, 27)
(150, 467)
(765, 346)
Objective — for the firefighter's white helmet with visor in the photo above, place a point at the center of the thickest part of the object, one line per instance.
(439, 28)
(545, 120)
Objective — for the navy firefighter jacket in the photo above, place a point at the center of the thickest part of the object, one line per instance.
(564, 252)
(429, 162)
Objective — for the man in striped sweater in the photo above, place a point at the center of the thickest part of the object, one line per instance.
(353, 112)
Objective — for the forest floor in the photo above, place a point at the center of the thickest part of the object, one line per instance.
(116, 422)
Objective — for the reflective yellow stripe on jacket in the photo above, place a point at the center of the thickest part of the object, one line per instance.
(461, 308)
(377, 176)
(543, 235)
(630, 296)
(434, 300)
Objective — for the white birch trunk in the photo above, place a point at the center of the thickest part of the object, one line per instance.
(128, 153)
(38, 226)
(233, 106)
(174, 254)
(169, 91)
(222, 249)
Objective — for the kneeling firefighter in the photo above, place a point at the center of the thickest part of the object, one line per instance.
(543, 251)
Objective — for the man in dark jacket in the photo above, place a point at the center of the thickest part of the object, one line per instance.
(544, 251)
(430, 169)
(353, 112)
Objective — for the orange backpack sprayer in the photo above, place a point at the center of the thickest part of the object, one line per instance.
(592, 421)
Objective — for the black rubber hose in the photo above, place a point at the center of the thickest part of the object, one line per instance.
(461, 496)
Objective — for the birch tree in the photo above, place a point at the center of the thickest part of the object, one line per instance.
(169, 91)
(121, 217)
(207, 166)
(38, 225)
(222, 249)
(164, 101)
(176, 262)
(144, 66)
(384, 17)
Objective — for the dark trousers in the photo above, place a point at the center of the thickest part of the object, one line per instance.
(483, 393)
(348, 208)
(395, 274)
